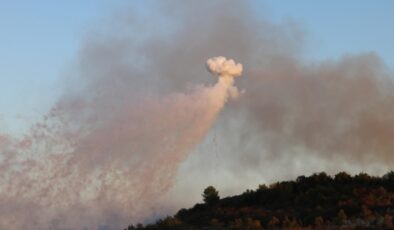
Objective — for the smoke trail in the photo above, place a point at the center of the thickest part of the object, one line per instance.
(68, 177)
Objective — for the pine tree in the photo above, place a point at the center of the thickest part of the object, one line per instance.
(211, 195)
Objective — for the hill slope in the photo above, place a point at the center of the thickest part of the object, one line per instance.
(317, 201)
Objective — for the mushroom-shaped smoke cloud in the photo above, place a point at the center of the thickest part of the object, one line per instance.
(224, 67)
(227, 70)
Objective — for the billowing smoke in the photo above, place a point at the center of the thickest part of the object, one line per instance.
(138, 101)
(340, 109)
(223, 67)
(226, 70)
(111, 172)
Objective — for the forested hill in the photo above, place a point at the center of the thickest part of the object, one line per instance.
(315, 202)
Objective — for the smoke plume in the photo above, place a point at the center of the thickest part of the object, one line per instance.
(111, 171)
(137, 102)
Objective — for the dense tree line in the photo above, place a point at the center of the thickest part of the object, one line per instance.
(318, 201)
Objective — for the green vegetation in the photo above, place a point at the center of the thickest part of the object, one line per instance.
(317, 201)
(211, 196)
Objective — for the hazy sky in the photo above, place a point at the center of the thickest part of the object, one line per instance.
(39, 39)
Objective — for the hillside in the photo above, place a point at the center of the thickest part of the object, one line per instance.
(318, 201)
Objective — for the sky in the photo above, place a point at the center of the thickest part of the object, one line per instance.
(39, 39)
(338, 27)
(38, 42)
(138, 101)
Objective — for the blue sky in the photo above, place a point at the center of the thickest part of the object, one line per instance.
(336, 27)
(39, 39)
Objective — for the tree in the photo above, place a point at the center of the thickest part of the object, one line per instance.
(273, 222)
(286, 223)
(342, 177)
(262, 187)
(342, 218)
(170, 223)
(389, 176)
(319, 221)
(367, 214)
(255, 225)
(210, 195)
(362, 178)
(388, 220)
(130, 227)
(216, 224)
(237, 224)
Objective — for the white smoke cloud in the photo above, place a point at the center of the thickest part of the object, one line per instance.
(226, 70)
(224, 67)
